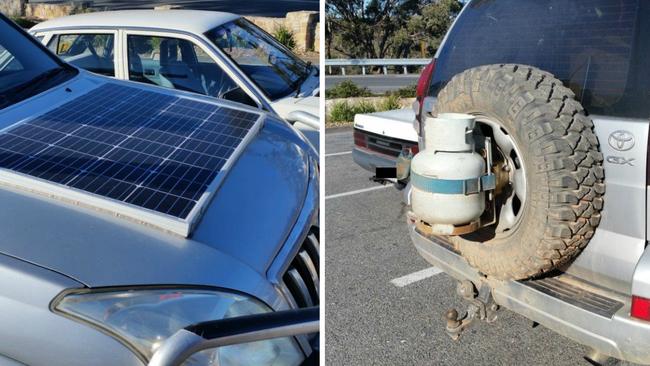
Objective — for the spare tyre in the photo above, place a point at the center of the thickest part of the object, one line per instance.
(548, 156)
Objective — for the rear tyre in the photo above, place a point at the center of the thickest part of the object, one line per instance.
(558, 198)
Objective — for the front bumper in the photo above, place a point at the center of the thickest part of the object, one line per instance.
(618, 336)
(369, 160)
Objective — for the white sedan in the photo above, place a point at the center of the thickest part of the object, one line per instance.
(211, 53)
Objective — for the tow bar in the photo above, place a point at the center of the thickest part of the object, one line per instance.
(481, 307)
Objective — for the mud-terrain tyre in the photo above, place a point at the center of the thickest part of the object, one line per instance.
(563, 168)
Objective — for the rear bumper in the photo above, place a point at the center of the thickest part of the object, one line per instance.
(369, 160)
(617, 336)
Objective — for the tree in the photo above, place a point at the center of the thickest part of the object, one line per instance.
(427, 29)
(386, 28)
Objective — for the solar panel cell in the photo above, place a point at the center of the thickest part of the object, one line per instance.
(154, 151)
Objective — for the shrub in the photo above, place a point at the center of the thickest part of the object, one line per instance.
(405, 92)
(285, 36)
(347, 89)
(364, 107)
(389, 103)
(343, 111)
(24, 22)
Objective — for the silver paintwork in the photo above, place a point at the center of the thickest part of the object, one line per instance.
(305, 118)
(620, 239)
(32, 335)
(256, 221)
(613, 253)
(620, 336)
(6, 361)
(641, 279)
(615, 257)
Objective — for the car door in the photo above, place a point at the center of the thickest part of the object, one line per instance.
(179, 62)
(90, 49)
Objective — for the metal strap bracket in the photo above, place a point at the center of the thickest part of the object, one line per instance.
(454, 186)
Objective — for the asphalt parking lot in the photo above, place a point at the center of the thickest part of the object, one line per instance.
(378, 312)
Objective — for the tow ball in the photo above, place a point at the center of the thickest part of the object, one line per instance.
(481, 307)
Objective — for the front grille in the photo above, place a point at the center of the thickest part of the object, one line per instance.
(384, 144)
(302, 278)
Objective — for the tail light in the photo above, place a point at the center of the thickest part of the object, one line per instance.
(423, 84)
(640, 308)
(360, 139)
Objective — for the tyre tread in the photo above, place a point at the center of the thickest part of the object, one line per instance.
(568, 170)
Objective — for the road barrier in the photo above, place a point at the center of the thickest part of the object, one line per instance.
(382, 62)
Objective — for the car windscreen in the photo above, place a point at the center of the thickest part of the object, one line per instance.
(598, 48)
(269, 64)
(26, 68)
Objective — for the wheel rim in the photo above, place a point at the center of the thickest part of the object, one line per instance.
(513, 199)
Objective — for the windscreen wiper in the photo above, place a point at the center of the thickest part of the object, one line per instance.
(36, 81)
(29, 87)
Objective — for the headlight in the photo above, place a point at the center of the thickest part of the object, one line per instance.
(145, 318)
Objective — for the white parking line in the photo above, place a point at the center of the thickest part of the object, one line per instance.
(338, 154)
(358, 191)
(416, 276)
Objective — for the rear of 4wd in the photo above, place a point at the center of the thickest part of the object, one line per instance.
(583, 63)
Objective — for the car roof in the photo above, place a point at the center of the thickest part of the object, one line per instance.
(193, 21)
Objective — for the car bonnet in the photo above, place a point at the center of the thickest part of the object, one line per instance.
(239, 234)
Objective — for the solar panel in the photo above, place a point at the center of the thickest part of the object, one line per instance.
(152, 157)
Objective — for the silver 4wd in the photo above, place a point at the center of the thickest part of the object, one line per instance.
(551, 219)
(129, 232)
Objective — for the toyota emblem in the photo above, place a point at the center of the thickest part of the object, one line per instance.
(621, 140)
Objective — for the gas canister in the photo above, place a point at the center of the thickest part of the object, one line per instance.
(449, 177)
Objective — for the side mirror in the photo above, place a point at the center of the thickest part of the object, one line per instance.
(239, 95)
(245, 329)
(305, 118)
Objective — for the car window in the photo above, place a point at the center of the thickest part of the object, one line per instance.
(598, 48)
(26, 69)
(8, 62)
(93, 52)
(180, 64)
(273, 67)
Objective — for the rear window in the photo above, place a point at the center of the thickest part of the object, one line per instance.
(598, 48)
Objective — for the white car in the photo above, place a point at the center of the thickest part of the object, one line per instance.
(380, 137)
(211, 53)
